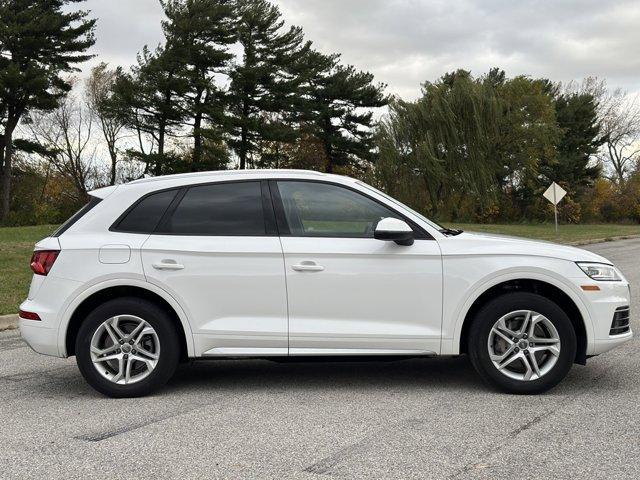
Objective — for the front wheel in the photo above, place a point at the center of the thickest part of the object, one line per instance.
(127, 347)
(522, 343)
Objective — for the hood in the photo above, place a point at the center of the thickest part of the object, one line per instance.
(475, 243)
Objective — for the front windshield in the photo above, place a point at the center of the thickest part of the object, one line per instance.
(391, 199)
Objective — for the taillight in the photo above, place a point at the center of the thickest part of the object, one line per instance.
(42, 261)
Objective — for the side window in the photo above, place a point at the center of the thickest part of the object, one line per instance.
(227, 209)
(145, 215)
(324, 210)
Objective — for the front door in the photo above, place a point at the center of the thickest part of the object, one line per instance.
(219, 255)
(347, 292)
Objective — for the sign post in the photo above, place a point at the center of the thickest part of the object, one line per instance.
(555, 193)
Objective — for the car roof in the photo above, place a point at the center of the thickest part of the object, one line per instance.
(177, 180)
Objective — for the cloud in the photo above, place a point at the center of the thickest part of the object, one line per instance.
(406, 42)
(123, 28)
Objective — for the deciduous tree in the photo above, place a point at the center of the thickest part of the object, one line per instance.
(99, 92)
(440, 144)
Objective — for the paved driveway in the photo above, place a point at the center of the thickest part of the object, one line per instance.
(427, 418)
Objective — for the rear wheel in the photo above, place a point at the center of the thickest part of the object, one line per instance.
(127, 347)
(522, 343)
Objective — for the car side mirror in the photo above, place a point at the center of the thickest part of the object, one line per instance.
(394, 230)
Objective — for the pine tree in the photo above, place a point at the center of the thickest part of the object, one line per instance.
(40, 40)
(262, 87)
(149, 100)
(338, 107)
(200, 33)
(580, 140)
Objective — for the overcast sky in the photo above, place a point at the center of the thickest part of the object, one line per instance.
(406, 42)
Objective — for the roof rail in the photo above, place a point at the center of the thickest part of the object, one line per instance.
(220, 173)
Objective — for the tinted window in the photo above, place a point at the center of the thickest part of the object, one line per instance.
(145, 215)
(93, 201)
(228, 209)
(324, 210)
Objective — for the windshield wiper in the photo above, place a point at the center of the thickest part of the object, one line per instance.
(451, 231)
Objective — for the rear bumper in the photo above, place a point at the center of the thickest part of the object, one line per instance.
(40, 338)
(52, 296)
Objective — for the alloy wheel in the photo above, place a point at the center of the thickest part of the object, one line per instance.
(524, 345)
(125, 349)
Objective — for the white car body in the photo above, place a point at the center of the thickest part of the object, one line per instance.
(286, 296)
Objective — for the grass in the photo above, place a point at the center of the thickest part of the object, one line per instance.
(16, 246)
(566, 234)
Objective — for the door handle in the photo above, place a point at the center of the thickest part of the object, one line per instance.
(168, 265)
(308, 267)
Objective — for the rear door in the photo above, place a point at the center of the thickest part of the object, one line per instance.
(217, 252)
(349, 293)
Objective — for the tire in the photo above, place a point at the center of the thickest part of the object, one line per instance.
(515, 358)
(149, 344)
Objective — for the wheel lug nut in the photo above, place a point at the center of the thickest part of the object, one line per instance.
(118, 351)
(121, 342)
(133, 351)
(516, 349)
(126, 356)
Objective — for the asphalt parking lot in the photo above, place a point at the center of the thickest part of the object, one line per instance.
(430, 418)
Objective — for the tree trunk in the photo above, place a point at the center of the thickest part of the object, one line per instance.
(162, 131)
(329, 165)
(197, 142)
(114, 161)
(244, 134)
(6, 149)
(243, 148)
(157, 171)
(197, 133)
(6, 176)
(328, 148)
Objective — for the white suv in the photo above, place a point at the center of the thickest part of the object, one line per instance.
(288, 263)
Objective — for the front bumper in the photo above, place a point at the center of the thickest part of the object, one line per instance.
(602, 306)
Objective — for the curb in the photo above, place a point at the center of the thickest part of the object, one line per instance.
(602, 240)
(8, 322)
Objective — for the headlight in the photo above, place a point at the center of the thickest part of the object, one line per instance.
(601, 272)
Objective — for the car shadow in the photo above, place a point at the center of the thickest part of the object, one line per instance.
(455, 373)
(442, 376)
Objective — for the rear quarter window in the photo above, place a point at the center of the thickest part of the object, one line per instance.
(144, 215)
(93, 201)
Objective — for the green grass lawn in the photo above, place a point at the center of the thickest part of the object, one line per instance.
(566, 234)
(16, 246)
